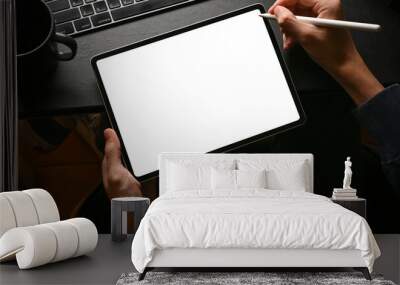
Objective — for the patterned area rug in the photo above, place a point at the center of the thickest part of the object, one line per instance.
(243, 278)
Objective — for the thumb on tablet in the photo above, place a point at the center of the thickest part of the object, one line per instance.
(112, 156)
(117, 180)
(112, 149)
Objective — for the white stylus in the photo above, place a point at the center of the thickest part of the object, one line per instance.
(332, 23)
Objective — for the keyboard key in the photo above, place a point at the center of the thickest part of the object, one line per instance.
(67, 15)
(100, 6)
(58, 5)
(127, 2)
(82, 24)
(74, 16)
(101, 19)
(76, 2)
(139, 8)
(65, 28)
(113, 4)
(87, 10)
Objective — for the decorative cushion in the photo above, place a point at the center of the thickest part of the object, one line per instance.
(188, 175)
(289, 175)
(236, 179)
(251, 178)
(223, 179)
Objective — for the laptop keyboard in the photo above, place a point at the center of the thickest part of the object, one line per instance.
(73, 17)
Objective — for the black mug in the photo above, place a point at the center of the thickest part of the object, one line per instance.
(37, 43)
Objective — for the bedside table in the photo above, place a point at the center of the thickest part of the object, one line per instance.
(119, 210)
(358, 205)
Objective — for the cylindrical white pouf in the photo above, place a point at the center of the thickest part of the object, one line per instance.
(23, 208)
(67, 239)
(7, 218)
(38, 245)
(45, 205)
(87, 235)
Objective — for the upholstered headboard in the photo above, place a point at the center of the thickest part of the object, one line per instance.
(237, 159)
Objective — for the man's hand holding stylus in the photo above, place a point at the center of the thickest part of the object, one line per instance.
(333, 49)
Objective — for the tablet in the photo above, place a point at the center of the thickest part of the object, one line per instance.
(209, 87)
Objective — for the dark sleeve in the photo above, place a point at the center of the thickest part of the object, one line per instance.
(381, 117)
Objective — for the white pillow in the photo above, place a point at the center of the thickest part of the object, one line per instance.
(182, 177)
(251, 178)
(186, 174)
(237, 179)
(223, 179)
(292, 175)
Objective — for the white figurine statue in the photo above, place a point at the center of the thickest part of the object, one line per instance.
(347, 174)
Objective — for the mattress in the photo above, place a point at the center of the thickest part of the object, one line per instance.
(250, 218)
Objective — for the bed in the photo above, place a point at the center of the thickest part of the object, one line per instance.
(247, 211)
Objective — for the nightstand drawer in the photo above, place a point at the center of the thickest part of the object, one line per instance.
(358, 206)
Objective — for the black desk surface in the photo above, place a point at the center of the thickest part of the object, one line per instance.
(73, 87)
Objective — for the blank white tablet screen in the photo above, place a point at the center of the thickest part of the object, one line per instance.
(197, 91)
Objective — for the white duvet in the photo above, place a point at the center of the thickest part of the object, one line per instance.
(250, 219)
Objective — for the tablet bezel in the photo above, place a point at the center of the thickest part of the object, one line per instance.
(231, 147)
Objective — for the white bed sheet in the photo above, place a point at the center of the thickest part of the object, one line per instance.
(250, 218)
